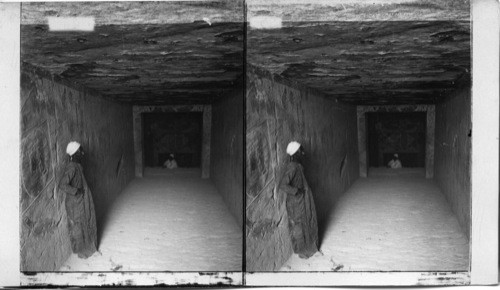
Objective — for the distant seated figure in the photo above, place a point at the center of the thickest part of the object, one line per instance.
(395, 163)
(170, 163)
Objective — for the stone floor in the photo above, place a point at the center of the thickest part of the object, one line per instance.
(167, 221)
(390, 222)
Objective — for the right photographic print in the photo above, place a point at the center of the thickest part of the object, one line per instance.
(358, 136)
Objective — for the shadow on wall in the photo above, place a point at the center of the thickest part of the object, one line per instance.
(226, 151)
(453, 152)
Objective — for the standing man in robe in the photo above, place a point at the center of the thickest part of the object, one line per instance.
(302, 219)
(79, 204)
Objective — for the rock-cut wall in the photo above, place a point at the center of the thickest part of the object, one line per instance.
(226, 164)
(453, 153)
(52, 114)
(278, 113)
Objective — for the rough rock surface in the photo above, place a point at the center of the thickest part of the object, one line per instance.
(226, 168)
(453, 153)
(123, 13)
(276, 115)
(170, 220)
(141, 52)
(367, 62)
(52, 114)
(361, 10)
(390, 223)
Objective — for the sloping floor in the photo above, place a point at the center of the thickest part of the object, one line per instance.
(170, 220)
(390, 221)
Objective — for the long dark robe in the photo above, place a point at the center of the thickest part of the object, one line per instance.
(302, 219)
(80, 211)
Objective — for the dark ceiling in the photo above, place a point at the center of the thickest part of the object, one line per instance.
(367, 62)
(376, 52)
(141, 53)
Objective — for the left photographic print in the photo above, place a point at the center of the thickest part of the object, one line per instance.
(132, 138)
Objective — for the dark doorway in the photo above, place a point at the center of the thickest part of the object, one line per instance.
(177, 133)
(402, 133)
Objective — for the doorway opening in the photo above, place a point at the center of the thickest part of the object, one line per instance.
(179, 134)
(401, 133)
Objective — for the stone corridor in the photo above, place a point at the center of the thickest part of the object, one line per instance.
(167, 221)
(390, 222)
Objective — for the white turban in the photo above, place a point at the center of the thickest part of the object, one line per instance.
(292, 148)
(396, 155)
(72, 147)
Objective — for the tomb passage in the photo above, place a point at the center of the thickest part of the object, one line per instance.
(170, 220)
(390, 222)
(138, 87)
(354, 89)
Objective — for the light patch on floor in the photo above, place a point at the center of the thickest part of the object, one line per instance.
(390, 222)
(167, 221)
